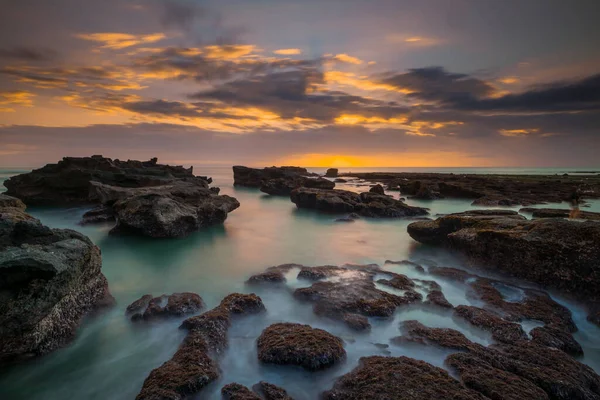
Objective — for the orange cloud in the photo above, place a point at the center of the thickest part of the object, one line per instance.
(117, 41)
(348, 59)
(351, 79)
(229, 52)
(415, 41)
(15, 98)
(509, 80)
(288, 52)
(517, 132)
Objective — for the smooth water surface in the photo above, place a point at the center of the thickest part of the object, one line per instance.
(111, 356)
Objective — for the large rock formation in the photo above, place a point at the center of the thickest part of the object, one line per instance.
(331, 173)
(49, 280)
(561, 213)
(278, 181)
(195, 364)
(297, 344)
(556, 253)
(343, 201)
(172, 210)
(68, 181)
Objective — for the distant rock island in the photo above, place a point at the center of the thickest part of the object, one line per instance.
(279, 181)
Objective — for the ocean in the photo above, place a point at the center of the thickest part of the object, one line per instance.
(111, 356)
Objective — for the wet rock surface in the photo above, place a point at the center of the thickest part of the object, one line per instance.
(270, 392)
(331, 173)
(98, 215)
(377, 189)
(173, 210)
(557, 253)
(301, 345)
(502, 331)
(489, 189)
(68, 181)
(49, 280)
(195, 364)
(284, 186)
(415, 332)
(398, 378)
(364, 204)
(279, 181)
(175, 305)
(235, 391)
(556, 338)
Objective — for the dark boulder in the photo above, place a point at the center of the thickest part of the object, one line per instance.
(254, 177)
(49, 279)
(270, 392)
(364, 204)
(377, 189)
(297, 344)
(97, 215)
(555, 253)
(284, 186)
(331, 173)
(235, 391)
(174, 305)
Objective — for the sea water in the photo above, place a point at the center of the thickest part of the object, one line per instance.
(111, 356)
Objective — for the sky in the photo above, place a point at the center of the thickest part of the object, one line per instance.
(342, 83)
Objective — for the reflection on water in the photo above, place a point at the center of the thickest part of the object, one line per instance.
(111, 356)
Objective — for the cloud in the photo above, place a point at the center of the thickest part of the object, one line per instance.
(117, 41)
(27, 54)
(348, 59)
(413, 40)
(518, 132)
(288, 52)
(509, 80)
(9, 99)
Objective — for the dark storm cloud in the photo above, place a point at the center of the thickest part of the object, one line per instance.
(437, 84)
(296, 94)
(580, 95)
(27, 54)
(162, 107)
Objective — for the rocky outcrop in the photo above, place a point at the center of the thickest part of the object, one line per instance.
(68, 181)
(377, 189)
(235, 391)
(270, 392)
(331, 173)
(302, 345)
(557, 339)
(555, 253)
(173, 210)
(175, 305)
(501, 330)
(97, 215)
(342, 201)
(260, 391)
(255, 177)
(489, 189)
(398, 378)
(195, 364)
(415, 332)
(574, 213)
(49, 280)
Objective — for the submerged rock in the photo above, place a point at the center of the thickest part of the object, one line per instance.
(555, 253)
(415, 332)
(270, 392)
(342, 201)
(173, 210)
(97, 215)
(195, 364)
(49, 280)
(68, 181)
(502, 331)
(379, 377)
(302, 345)
(174, 305)
(556, 338)
(235, 391)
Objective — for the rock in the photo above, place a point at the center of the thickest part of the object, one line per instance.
(254, 177)
(377, 189)
(68, 181)
(356, 322)
(350, 218)
(594, 314)
(331, 173)
(436, 297)
(270, 392)
(364, 204)
(493, 370)
(416, 332)
(353, 292)
(379, 377)
(490, 189)
(11, 202)
(502, 331)
(340, 180)
(284, 186)
(235, 391)
(195, 363)
(557, 253)
(561, 213)
(425, 192)
(556, 338)
(173, 210)
(49, 279)
(97, 215)
(297, 344)
(492, 382)
(273, 276)
(174, 305)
